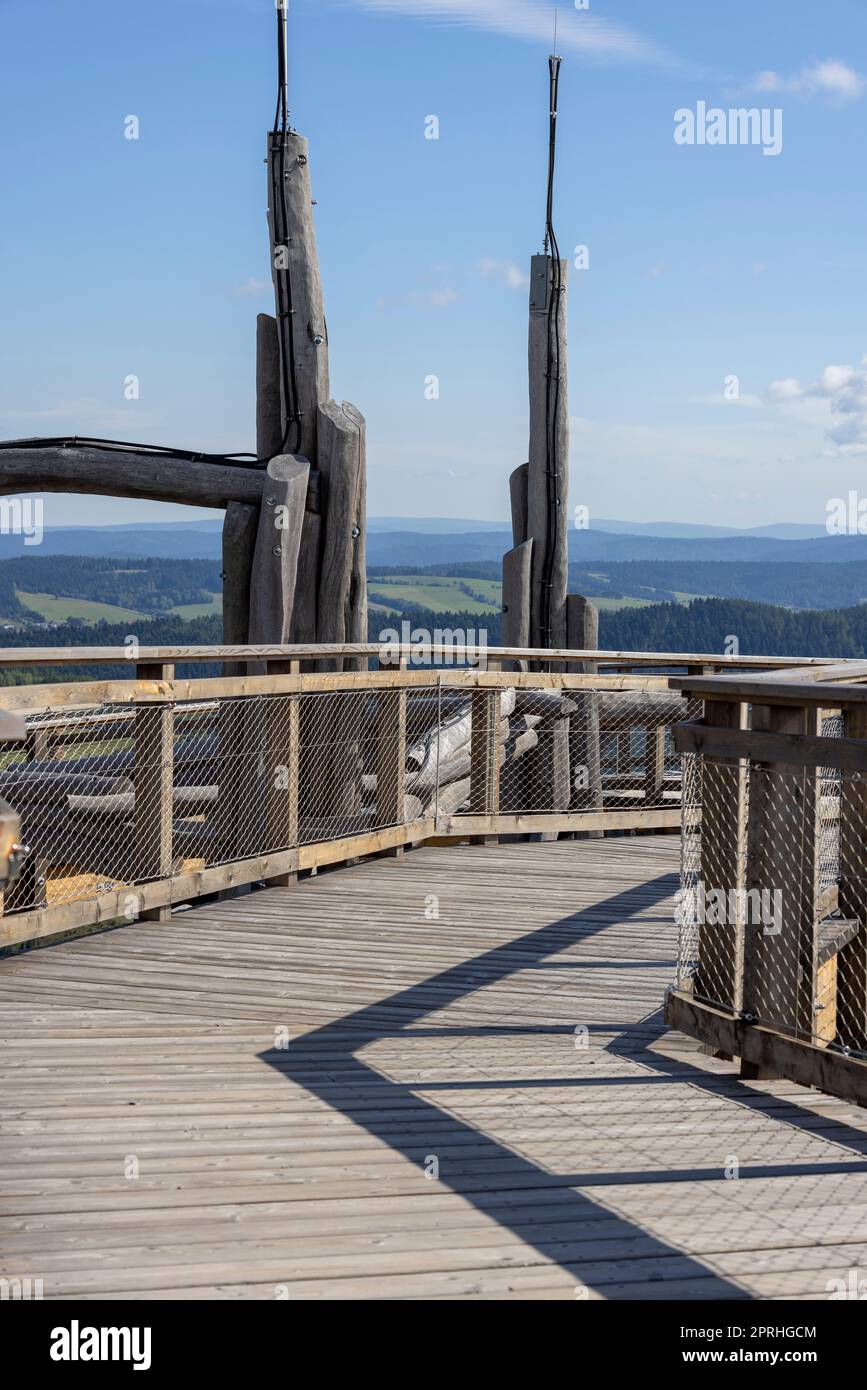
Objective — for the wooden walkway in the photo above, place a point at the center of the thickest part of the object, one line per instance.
(331, 1091)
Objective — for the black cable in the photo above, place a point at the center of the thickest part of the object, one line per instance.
(552, 371)
(283, 278)
(72, 441)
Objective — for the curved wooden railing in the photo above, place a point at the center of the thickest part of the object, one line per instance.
(772, 964)
(145, 790)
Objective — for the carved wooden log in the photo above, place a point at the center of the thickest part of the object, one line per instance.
(240, 525)
(278, 541)
(518, 499)
(121, 805)
(304, 611)
(296, 261)
(269, 427)
(547, 525)
(114, 473)
(342, 588)
(357, 626)
(517, 567)
(582, 628)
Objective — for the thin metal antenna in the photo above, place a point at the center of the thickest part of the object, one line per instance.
(555, 28)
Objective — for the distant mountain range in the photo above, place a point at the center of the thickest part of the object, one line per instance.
(416, 541)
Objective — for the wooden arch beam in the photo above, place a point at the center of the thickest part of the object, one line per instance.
(113, 473)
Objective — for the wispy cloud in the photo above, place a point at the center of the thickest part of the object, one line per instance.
(843, 392)
(252, 289)
(434, 299)
(511, 275)
(829, 78)
(578, 31)
(82, 415)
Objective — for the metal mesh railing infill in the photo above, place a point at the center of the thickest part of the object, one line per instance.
(771, 908)
(119, 795)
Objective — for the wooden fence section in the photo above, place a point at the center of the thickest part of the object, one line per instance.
(143, 792)
(773, 912)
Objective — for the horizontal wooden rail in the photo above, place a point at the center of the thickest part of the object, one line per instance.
(816, 694)
(797, 750)
(91, 656)
(767, 1050)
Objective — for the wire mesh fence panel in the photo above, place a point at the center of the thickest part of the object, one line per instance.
(772, 909)
(584, 750)
(120, 795)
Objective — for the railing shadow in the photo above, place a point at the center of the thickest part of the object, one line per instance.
(494, 1179)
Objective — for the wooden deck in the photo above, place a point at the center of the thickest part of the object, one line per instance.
(159, 1140)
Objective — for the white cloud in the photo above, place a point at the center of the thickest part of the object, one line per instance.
(829, 78)
(577, 31)
(842, 390)
(252, 289)
(512, 276)
(434, 299)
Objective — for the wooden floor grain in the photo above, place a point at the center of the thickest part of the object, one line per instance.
(441, 1076)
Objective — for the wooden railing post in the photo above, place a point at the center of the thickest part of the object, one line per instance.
(780, 970)
(851, 1011)
(391, 756)
(31, 889)
(654, 764)
(484, 755)
(153, 779)
(723, 862)
(282, 770)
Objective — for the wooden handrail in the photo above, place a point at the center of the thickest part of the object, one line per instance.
(819, 693)
(91, 656)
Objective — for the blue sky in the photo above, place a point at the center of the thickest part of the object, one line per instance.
(149, 257)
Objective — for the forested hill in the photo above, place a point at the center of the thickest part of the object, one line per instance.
(705, 625)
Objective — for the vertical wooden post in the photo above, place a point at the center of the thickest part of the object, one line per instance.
(269, 424)
(153, 779)
(585, 754)
(852, 895)
(484, 756)
(780, 971)
(723, 862)
(282, 769)
(295, 262)
(240, 525)
(342, 586)
(275, 555)
(517, 567)
(654, 764)
(31, 887)
(547, 486)
(391, 758)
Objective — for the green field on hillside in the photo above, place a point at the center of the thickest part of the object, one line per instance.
(59, 610)
(439, 593)
(199, 610)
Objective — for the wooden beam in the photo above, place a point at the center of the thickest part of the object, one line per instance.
(549, 435)
(342, 588)
(115, 473)
(278, 541)
(269, 427)
(239, 543)
(83, 656)
(768, 1051)
(760, 746)
(296, 262)
(518, 499)
(517, 567)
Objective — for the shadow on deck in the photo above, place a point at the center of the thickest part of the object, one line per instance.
(469, 1093)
